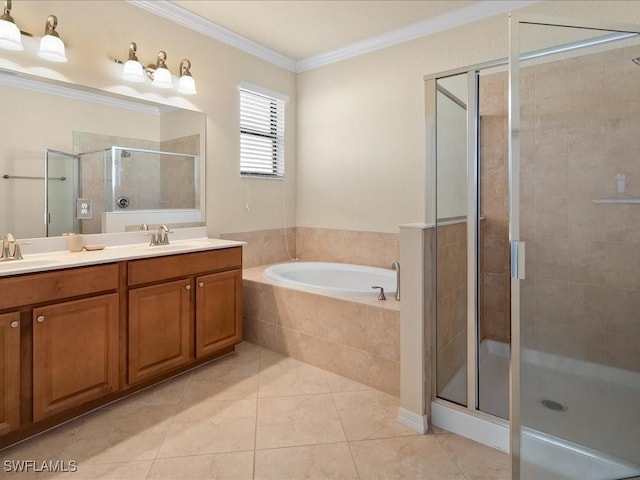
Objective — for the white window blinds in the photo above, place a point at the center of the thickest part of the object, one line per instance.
(261, 135)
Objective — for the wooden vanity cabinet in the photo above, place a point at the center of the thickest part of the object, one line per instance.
(75, 353)
(159, 328)
(9, 372)
(218, 314)
(73, 339)
(191, 311)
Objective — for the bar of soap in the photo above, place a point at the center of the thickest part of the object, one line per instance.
(98, 246)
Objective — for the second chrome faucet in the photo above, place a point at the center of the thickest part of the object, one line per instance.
(161, 237)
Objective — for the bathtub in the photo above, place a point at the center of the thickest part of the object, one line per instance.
(335, 278)
(308, 311)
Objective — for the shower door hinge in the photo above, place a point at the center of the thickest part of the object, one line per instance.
(517, 260)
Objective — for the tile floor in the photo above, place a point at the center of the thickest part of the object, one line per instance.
(256, 414)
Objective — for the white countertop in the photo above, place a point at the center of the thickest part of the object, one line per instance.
(48, 254)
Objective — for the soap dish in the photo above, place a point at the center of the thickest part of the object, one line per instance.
(98, 246)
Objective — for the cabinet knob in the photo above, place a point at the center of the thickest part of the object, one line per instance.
(40, 319)
(201, 284)
(15, 324)
(188, 287)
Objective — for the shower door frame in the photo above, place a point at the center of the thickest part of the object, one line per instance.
(518, 251)
(473, 225)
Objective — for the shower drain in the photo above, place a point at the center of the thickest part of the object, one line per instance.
(553, 405)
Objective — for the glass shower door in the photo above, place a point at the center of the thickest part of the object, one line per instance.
(452, 216)
(61, 186)
(574, 226)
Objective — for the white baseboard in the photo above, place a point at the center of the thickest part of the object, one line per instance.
(413, 420)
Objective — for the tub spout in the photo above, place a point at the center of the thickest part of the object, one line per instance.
(396, 266)
(381, 296)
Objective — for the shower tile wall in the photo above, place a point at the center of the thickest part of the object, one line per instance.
(451, 291)
(494, 208)
(92, 170)
(177, 173)
(580, 128)
(176, 183)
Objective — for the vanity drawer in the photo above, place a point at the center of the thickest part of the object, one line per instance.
(35, 288)
(150, 270)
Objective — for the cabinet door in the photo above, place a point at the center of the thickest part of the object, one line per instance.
(218, 311)
(75, 353)
(159, 329)
(9, 372)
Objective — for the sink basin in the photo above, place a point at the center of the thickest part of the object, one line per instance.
(19, 264)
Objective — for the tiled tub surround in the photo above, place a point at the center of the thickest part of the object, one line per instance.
(356, 337)
(580, 119)
(318, 245)
(265, 247)
(347, 246)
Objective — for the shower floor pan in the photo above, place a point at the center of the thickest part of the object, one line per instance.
(585, 408)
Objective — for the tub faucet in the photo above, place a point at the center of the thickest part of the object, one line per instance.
(396, 266)
(382, 295)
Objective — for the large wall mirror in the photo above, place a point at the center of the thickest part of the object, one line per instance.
(76, 159)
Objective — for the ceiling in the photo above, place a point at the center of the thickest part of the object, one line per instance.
(303, 29)
(300, 35)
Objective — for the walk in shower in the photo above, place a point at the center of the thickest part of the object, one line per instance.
(114, 181)
(538, 250)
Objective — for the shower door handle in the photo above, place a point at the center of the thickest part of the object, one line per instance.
(517, 260)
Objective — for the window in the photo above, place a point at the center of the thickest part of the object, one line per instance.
(261, 133)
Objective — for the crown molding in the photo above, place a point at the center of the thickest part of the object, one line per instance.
(439, 23)
(184, 17)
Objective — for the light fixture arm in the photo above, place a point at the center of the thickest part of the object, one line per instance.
(133, 48)
(50, 26)
(161, 61)
(185, 66)
(6, 15)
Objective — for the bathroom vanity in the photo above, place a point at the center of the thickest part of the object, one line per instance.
(101, 325)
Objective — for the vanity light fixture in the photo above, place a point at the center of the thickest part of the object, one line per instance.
(9, 31)
(158, 73)
(133, 70)
(51, 47)
(186, 84)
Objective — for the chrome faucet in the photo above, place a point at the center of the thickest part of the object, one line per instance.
(396, 266)
(7, 243)
(163, 235)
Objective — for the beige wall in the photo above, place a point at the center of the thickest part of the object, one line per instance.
(361, 121)
(95, 32)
